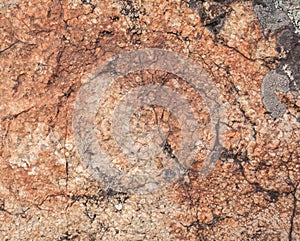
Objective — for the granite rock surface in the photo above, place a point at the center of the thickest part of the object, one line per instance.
(49, 49)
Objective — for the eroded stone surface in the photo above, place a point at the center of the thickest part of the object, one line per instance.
(47, 51)
(282, 20)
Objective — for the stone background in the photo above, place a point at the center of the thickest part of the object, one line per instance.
(47, 50)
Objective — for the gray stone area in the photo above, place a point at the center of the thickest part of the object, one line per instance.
(272, 82)
(271, 18)
(281, 18)
(292, 8)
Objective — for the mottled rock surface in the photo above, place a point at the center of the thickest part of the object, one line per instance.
(48, 50)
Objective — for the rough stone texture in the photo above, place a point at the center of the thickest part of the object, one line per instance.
(271, 18)
(292, 8)
(272, 82)
(282, 20)
(47, 50)
(290, 65)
